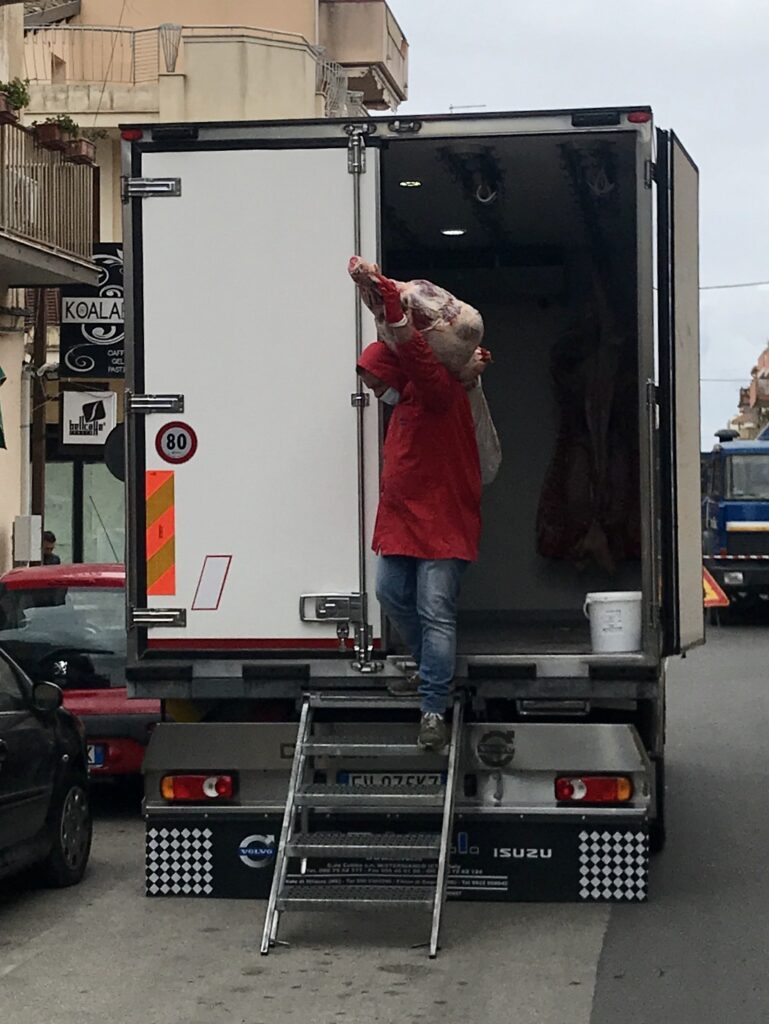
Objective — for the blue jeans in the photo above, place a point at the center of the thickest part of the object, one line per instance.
(420, 596)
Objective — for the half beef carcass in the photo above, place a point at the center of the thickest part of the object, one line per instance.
(452, 328)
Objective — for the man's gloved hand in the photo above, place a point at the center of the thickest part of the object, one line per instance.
(478, 362)
(391, 299)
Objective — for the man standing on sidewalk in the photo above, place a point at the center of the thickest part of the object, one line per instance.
(429, 518)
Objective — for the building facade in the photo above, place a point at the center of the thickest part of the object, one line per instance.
(47, 227)
(753, 407)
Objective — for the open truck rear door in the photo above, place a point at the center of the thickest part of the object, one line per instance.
(679, 380)
(244, 311)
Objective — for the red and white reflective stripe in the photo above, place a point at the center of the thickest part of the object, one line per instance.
(736, 558)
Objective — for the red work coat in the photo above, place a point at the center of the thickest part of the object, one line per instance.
(430, 495)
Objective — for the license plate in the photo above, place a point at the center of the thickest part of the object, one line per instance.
(392, 778)
(96, 754)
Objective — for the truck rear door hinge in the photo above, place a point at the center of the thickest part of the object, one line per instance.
(150, 188)
(146, 404)
(650, 173)
(144, 618)
(356, 147)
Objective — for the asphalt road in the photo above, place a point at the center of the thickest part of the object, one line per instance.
(694, 954)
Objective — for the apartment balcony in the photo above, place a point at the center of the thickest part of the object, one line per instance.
(367, 41)
(46, 214)
(759, 393)
(49, 12)
(173, 73)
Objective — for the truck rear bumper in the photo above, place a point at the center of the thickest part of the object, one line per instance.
(740, 575)
(513, 839)
(505, 859)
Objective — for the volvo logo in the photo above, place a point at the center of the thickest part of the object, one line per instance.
(496, 748)
(257, 851)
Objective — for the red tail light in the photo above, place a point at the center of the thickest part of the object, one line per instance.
(197, 788)
(132, 134)
(639, 117)
(593, 789)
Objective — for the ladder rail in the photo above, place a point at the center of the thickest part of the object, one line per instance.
(271, 919)
(447, 825)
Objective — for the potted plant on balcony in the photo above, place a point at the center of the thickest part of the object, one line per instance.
(82, 150)
(14, 95)
(55, 132)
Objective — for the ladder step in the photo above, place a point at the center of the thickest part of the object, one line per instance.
(366, 845)
(317, 896)
(362, 701)
(384, 797)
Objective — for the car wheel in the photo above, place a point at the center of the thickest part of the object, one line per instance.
(71, 828)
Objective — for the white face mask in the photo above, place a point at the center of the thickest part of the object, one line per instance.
(390, 397)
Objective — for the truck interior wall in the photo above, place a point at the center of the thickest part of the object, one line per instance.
(514, 598)
(510, 574)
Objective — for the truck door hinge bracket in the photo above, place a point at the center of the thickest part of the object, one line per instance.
(650, 173)
(360, 129)
(151, 188)
(146, 404)
(359, 400)
(356, 147)
(652, 393)
(145, 618)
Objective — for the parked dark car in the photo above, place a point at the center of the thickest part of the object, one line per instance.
(66, 623)
(45, 816)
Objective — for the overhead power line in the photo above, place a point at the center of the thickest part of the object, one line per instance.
(740, 284)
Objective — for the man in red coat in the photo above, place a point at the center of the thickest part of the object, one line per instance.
(429, 518)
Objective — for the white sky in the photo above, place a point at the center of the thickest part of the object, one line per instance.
(703, 65)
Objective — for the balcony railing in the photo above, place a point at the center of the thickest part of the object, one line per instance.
(124, 56)
(44, 198)
(64, 55)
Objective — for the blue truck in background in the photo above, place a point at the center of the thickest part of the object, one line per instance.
(735, 516)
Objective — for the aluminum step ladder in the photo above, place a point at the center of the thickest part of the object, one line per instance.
(299, 840)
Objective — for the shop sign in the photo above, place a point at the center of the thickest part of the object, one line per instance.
(92, 339)
(87, 417)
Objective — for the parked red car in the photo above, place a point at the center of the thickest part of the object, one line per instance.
(66, 624)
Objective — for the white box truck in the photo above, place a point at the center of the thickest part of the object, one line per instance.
(253, 457)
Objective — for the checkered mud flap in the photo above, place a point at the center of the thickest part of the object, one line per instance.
(179, 862)
(613, 865)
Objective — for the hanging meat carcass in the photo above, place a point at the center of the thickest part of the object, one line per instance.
(453, 328)
(589, 509)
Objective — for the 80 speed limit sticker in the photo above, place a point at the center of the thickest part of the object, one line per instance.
(176, 442)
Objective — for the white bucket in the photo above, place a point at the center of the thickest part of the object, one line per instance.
(615, 621)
